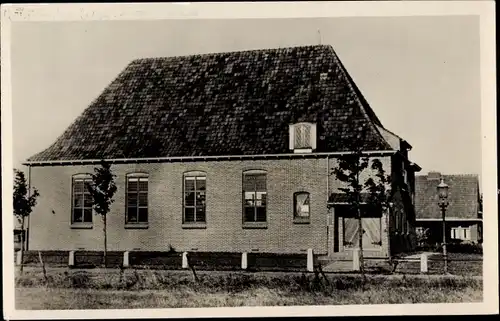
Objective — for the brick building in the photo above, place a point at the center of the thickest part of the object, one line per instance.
(223, 152)
(463, 216)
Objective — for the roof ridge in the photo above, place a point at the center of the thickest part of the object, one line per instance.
(218, 53)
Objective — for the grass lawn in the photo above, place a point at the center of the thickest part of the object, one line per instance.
(169, 289)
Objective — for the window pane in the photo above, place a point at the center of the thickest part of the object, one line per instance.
(261, 198)
(132, 199)
(249, 214)
(249, 198)
(77, 216)
(306, 136)
(260, 182)
(87, 215)
(143, 214)
(200, 214)
(298, 136)
(77, 186)
(189, 199)
(85, 186)
(78, 200)
(302, 204)
(132, 185)
(249, 183)
(189, 184)
(189, 214)
(132, 214)
(200, 183)
(143, 184)
(87, 201)
(143, 199)
(261, 214)
(200, 198)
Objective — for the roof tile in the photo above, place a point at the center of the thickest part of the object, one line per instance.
(236, 103)
(463, 196)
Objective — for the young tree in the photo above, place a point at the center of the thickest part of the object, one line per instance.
(349, 169)
(24, 202)
(379, 191)
(102, 189)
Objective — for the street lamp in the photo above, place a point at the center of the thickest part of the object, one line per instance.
(442, 190)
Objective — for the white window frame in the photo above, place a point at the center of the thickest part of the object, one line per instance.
(139, 177)
(301, 218)
(194, 175)
(85, 177)
(256, 192)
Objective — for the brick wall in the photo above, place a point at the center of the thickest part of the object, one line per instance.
(50, 226)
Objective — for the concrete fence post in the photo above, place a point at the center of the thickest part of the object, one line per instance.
(244, 261)
(355, 260)
(423, 263)
(71, 261)
(310, 260)
(126, 263)
(18, 258)
(185, 260)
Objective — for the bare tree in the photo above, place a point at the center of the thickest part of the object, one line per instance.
(102, 189)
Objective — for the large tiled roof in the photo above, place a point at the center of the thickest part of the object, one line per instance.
(235, 103)
(463, 196)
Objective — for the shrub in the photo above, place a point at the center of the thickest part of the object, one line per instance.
(462, 247)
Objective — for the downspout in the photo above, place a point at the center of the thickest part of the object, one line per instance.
(327, 199)
(26, 236)
(327, 178)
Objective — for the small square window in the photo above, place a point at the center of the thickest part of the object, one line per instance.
(303, 137)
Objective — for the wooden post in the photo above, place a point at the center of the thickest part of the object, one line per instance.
(310, 260)
(19, 256)
(423, 263)
(71, 261)
(185, 264)
(244, 261)
(355, 259)
(126, 263)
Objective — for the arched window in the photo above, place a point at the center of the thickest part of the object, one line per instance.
(254, 196)
(194, 209)
(301, 206)
(81, 205)
(137, 199)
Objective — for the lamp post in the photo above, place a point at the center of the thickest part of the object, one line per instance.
(442, 190)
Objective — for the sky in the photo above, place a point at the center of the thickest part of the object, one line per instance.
(419, 74)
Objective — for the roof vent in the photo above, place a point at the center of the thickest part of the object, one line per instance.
(434, 176)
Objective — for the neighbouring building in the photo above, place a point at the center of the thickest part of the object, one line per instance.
(463, 216)
(223, 152)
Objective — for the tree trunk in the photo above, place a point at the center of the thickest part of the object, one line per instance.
(105, 242)
(360, 240)
(23, 236)
(360, 226)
